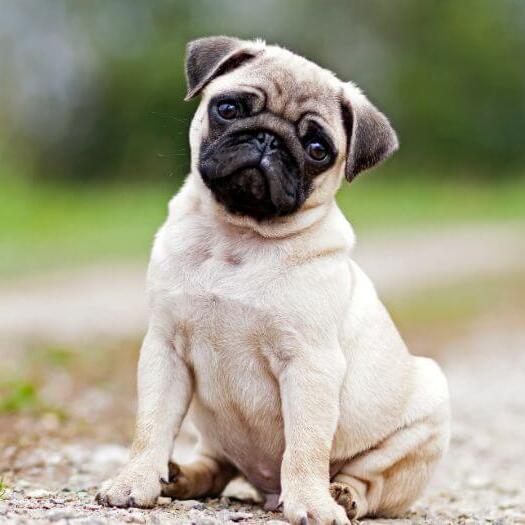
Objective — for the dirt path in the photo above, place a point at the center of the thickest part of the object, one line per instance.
(108, 301)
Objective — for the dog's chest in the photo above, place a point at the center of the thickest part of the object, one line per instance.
(221, 301)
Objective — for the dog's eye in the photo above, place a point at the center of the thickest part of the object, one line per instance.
(316, 150)
(228, 110)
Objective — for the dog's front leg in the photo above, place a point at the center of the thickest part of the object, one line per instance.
(310, 385)
(164, 394)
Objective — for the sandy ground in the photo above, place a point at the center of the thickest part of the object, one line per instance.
(51, 467)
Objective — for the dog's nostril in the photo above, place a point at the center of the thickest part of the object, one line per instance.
(267, 139)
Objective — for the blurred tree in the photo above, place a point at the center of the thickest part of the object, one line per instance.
(461, 82)
(95, 90)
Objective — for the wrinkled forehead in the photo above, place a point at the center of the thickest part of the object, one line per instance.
(290, 85)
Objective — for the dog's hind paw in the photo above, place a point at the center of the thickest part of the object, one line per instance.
(342, 494)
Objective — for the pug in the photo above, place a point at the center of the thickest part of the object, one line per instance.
(263, 330)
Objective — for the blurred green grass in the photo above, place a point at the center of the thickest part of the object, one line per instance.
(448, 305)
(55, 226)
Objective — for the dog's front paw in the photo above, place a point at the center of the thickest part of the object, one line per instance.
(137, 485)
(314, 510)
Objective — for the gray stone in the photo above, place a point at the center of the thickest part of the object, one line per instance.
(231, 515)
(38, 493)
(189, 504)
(89, 521)
(60, 514)
(199, 518)
(135, 517)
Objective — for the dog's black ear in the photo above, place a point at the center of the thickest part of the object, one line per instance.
(370, 137)
(209, 57)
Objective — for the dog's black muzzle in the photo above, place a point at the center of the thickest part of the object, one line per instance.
(252, 173)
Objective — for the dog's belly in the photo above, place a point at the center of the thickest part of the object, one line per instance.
(236, 405)
(255, 449)
(240, 417)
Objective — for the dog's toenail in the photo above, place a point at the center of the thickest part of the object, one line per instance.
(304, 521)
(131, 502)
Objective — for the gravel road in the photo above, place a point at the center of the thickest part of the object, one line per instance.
(482, 479)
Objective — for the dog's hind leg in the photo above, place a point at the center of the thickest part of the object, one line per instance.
(386, 479)
(206, 476)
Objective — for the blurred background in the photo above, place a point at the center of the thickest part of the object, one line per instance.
(93, 143)
(93, 127)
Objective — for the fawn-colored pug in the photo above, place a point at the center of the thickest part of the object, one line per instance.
(263, 330)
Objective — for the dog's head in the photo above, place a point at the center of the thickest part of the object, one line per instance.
(274, 130)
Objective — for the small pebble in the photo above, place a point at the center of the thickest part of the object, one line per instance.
(135, 517)
(91, 506)
(478, 482)
(189, 504)
(60, 514)
(230, 515)
(38, 493)
(198, 518)
(90, 521)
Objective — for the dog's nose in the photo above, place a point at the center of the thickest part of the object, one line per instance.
(267, 141)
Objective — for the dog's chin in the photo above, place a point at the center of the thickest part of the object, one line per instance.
(246, 192)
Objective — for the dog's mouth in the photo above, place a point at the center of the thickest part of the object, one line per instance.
(245, 192)
(253, 175)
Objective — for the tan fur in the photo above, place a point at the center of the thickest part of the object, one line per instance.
(204, 477)
(295, 372)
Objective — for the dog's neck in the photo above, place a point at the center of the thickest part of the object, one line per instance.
(305, 219)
